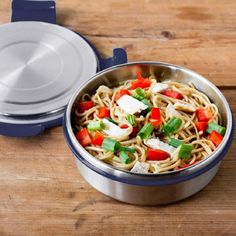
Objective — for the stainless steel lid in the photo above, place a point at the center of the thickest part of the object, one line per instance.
(41, 66)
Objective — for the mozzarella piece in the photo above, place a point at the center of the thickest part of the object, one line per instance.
(131, 105)
(170, 111)
(113, 130)
(140, 168)
(187, 107)
(157, 144)
(159, 87)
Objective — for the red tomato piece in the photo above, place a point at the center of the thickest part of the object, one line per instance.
(201, 126)
(83, 137)
(121, 93)
(203, 115)
(97, 139)
(84, 106)
(216, 138)
(172, 94)
(103, 112)
(157, 155)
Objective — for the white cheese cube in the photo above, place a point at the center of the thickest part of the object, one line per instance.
(131, 105)
(140, 168)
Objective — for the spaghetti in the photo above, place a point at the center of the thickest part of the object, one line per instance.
(146, 126)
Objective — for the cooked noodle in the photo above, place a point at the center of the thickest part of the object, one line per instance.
(188, 133)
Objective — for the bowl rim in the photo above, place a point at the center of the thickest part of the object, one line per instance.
(127, 174)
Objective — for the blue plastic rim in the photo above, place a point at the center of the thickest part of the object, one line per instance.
(149, 182)
(45, 11)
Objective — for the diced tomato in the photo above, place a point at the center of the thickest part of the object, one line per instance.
(134, 132)
(124, 126)
(157, 155)
(216, 138)
(84, 106)
(103, 112)
(121, 93)
(140, 82)
(201, 126)
(203, 115)
(172, 94)
(97, 139)
(83, 137)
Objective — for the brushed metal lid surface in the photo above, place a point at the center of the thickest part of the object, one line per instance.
(41, 66)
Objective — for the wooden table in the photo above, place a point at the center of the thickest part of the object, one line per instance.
(41, 191)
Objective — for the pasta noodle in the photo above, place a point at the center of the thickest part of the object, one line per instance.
(188, 133)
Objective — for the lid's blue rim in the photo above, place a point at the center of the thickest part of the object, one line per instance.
(45, 11)
(148, 181)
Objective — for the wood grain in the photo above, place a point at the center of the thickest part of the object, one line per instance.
(41, 191)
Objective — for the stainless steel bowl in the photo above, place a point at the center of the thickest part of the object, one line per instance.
(148, 189)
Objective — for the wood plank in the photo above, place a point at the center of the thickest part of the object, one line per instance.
(200, 35)
(42, 193)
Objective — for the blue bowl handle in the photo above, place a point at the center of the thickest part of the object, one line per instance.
(119, 57)
(16, 130)
(34, 10)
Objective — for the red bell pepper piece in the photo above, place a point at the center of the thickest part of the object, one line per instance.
(84, 106)
(155, 118)
(203, 115)
(83, 137)
(216, 138)
(103, 112)
(155, 113)
(121, 93)
(134, 132)
(172, 94)
(201, 126)
(157, 155)
(97, 139)
(140, 82)
(124, 126)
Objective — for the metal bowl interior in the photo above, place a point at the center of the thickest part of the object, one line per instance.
(162, 71)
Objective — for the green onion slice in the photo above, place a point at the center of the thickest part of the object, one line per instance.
(218, 128)
(131, 119)
(185, 151)
(96, 125)
(128, 149)
(124, 157)
(146, 131)
(172, 126)
(110, 145)
(139, 94)
(175, 142)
